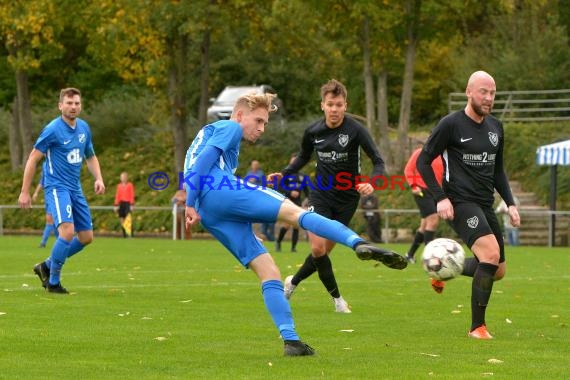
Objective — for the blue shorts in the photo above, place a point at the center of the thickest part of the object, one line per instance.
(68, 207)
(229, 214)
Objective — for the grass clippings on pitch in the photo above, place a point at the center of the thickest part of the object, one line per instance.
(160, 309)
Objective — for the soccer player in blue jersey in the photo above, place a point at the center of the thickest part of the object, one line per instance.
(64, 143)
(227, 207)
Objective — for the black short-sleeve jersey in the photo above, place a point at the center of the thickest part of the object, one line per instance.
(337, 152)
(473, 158)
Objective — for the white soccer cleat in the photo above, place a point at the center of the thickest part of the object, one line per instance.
(341, 306)
(288, 287)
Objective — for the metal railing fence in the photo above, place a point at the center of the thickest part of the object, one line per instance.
(387, 215)
(523, 106)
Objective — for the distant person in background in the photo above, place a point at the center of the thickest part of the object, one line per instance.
(124, 203)
(424, 200)
(50, 226)
(294, 189)
(65, 143)
(511, 231)
(369, 203)
(179, 201)
(255, 175)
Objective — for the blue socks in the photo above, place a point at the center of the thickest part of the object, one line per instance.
(47, 231)
(58, 256)
(61, 251)
(279, 309)
(74, 247)
(329, 229)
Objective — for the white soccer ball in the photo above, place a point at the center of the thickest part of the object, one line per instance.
(443, 259)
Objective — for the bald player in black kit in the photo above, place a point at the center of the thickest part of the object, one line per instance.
(471, 143)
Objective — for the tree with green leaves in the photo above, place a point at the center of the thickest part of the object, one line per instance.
(162, 45)
(29, 31)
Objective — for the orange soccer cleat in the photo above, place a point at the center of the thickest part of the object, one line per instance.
(437, 285)
(480, 333)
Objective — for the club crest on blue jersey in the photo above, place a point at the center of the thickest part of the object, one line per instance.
(343, 140)
(494, 138)
(82, 138)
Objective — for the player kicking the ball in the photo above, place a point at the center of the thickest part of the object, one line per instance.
(227, 208)
(471, 142)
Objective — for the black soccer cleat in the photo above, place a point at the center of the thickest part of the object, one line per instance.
(298, 348)
(367, 251)
(58, 289)
(42, 271)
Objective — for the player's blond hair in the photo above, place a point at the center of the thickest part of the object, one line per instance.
(254, 101)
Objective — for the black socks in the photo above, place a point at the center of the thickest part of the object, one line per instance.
(428, 236)
(323, 265)
(418, 240)
(481, 288)
(307, 269)
(470, 266)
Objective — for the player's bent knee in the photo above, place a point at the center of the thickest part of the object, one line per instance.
(290, 213)
(318, 251)
(501, 272)
(85, 237)
(431, 222)
(488, 257)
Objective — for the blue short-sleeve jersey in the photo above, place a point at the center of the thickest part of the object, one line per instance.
(225, 135)
(65, 148)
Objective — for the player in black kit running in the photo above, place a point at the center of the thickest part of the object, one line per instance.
(471, 144)
(336, 141)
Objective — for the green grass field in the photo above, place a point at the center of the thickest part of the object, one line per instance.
(160, 309)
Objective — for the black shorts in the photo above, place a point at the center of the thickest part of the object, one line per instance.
(473, 221)
(124, 209)
(426, 203)
(339, 211)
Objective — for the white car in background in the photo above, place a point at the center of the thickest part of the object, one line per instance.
(222, 106)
